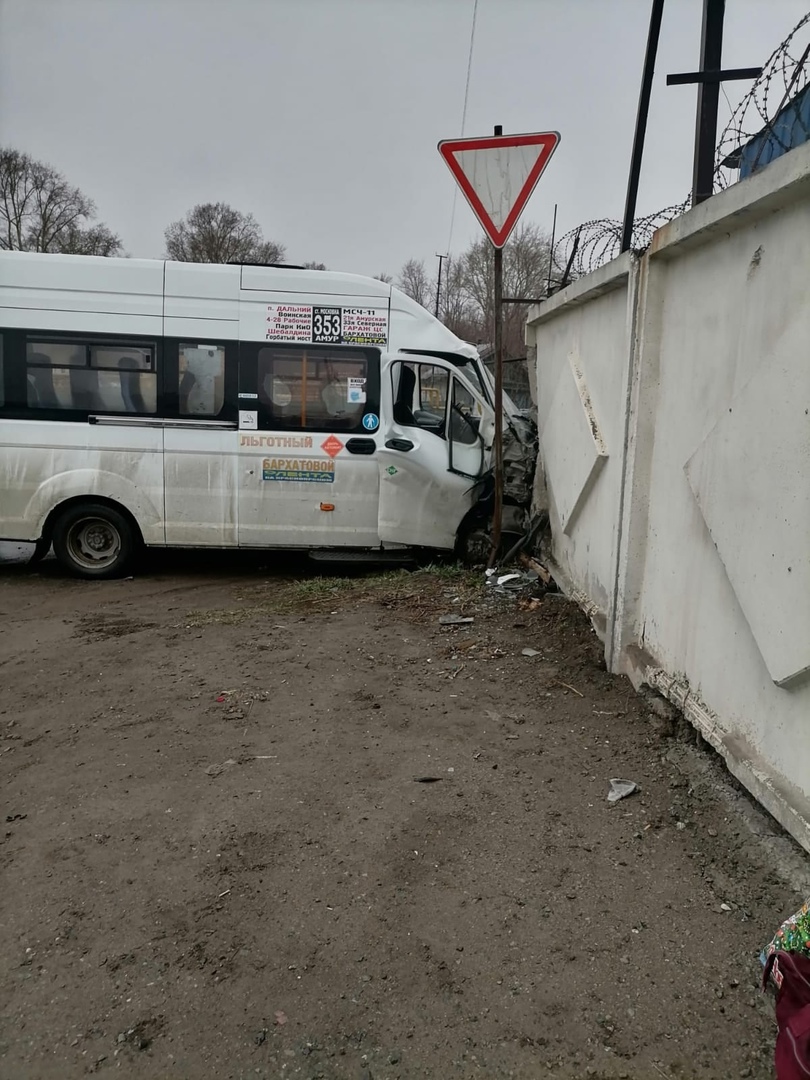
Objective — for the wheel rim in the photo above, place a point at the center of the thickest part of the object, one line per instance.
(94, 543)
(476, 547)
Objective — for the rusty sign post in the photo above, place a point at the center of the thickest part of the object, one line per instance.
(497, 315)
(497, 175)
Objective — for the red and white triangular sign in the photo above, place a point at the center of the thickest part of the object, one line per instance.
(498, 174)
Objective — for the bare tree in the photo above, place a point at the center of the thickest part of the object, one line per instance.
(416, 282)
(41, 211)
(525, 273)
(314, 266)
(95, 240)
(466, 304)
(216, 233)
(386, 278)
(457, 311)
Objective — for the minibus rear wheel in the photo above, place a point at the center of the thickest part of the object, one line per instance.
(94, 540)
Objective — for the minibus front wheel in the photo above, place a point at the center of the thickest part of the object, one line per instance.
(94, 540)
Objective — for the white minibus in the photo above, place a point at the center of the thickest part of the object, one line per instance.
(193, 405)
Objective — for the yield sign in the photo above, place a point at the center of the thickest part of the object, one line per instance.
(498, 174)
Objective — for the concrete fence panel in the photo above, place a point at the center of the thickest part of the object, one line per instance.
(673, 395)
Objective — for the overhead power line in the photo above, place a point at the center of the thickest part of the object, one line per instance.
(463, 118)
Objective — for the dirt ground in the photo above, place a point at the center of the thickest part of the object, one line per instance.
(220, 857)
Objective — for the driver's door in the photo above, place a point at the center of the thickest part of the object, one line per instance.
(436, 444)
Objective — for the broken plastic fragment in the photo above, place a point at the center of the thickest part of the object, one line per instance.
(620, 789)
(502, 580)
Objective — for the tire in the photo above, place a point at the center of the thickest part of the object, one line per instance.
(41, 549)
(474, 544)
(92, 540)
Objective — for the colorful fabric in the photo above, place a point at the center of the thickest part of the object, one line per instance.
(792, 936)
(789, 972)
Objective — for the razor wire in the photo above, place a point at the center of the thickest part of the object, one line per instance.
(785, 75)
(783, 78)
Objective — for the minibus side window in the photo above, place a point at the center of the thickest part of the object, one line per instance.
(312, 388)
(421, 396)
(464, 416)
(91, 377)
(201, 379)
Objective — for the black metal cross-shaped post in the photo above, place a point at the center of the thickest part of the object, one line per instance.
(708, 79)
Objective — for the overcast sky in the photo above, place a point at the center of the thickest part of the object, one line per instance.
(321, 117)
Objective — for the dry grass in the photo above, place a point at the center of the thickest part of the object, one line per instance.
(418, 593)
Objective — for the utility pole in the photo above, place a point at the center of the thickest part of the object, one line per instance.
(441, 259)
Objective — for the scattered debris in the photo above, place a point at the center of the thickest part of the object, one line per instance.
(531, 604)
(529, 652)
(568, 686)
(140, 1035)
(261, 1037)
(536, 567)
(455, 620)
(514, 583)
(725, 907)
(427, 779)
(529, 583)
(281, 1018)
(217, 770)
(16, 817)
(620, 789)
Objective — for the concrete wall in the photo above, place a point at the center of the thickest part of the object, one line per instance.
(673, 395)
(582, 339)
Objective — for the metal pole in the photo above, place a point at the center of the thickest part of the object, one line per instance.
(571, 257)
(711, 50)
(441, 259)
(551, 250)
(653, 34)
(497, 514)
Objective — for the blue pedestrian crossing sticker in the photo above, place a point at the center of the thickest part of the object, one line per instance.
(371, 421)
